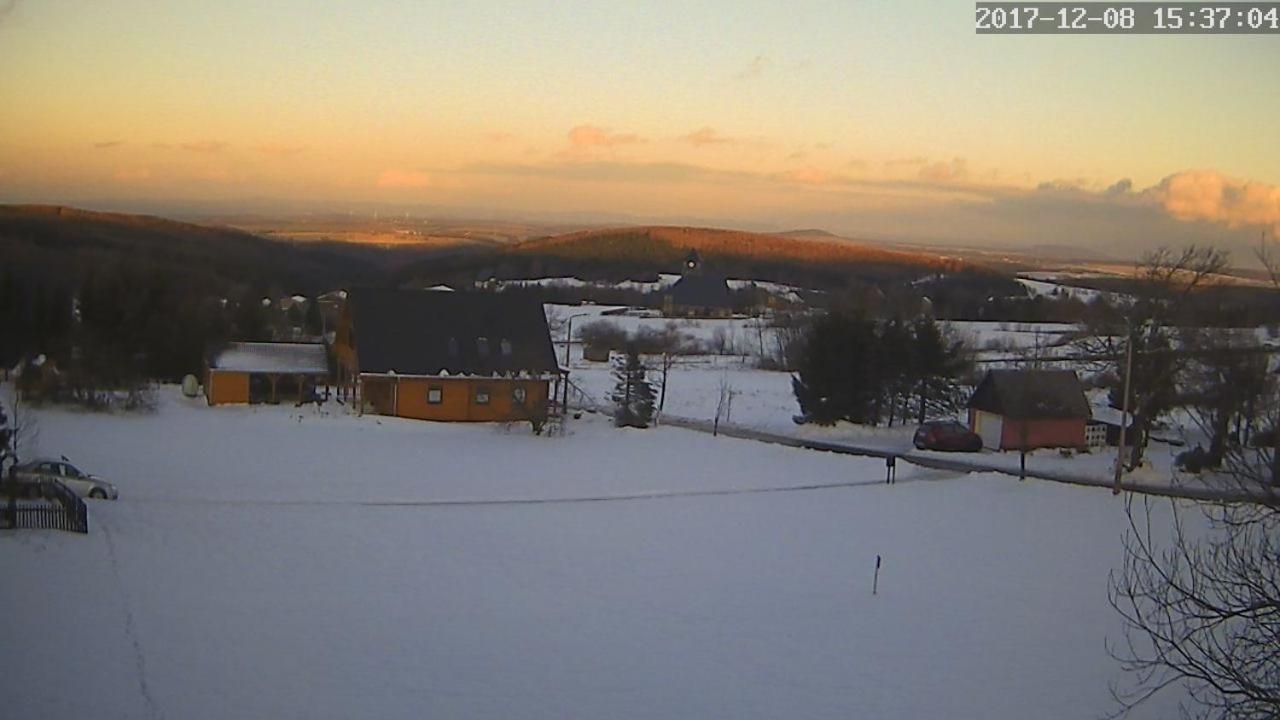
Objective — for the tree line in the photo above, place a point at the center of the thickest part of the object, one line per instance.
(870, 371)
(117, 328)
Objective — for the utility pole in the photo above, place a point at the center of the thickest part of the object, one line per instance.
(568, 336)
(1124, 407)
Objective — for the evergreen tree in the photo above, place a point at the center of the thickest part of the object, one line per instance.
(936, 365)
(840, 376)
(632, 392)
(895, 358)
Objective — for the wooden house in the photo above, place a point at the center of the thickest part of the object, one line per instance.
(264, 372)
(1027, 409)
(446, 355)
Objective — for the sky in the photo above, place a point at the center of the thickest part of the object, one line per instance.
(884, 119)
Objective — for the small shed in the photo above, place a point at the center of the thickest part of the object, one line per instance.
(1027, 409)
(264, 372)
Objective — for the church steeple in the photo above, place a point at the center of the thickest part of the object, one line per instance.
(692, 263)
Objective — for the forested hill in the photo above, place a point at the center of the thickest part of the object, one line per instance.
(59, 246)
(807, 258)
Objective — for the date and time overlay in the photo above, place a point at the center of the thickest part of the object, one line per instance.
(1127, 18)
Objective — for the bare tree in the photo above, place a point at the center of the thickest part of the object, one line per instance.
(1201, 611)
(1202, 607)
(724, 403)
(1146, 323)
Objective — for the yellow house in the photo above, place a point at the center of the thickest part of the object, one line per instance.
(447, 356)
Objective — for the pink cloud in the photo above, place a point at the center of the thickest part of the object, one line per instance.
(1210, 195)
(584, 137)
(705, 136)
(944, 172)
(403, 179)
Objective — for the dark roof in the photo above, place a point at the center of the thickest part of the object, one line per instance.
(423, 332)
(701, 291)
(1031, 394)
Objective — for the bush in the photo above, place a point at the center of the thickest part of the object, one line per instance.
(1193, 460)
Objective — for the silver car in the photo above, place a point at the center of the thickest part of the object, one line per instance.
(37, 471)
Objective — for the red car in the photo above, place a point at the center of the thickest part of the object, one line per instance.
(947, 435)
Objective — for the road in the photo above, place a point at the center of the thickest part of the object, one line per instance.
(965, 463)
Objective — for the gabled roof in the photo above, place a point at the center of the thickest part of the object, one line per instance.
(1031, 394)
(701, 291)
(420, 332)
(269, 357)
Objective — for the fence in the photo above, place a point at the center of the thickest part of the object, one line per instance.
(59, 510)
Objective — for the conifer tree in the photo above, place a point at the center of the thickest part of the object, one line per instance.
(632, 392)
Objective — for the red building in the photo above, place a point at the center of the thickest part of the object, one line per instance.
(1027, 409)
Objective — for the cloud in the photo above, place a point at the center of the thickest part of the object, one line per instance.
(132, 174)
(585, 137)
(498, 137)
(107, 144)
(706, 136)
(205, 146)
(280, 150)
(810, 176)
(403, 179)
(946, 172)
(907, 162)
(1121, 187)
(759, 65)
(1210, 195)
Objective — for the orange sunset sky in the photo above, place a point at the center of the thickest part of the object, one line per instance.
(879, 119)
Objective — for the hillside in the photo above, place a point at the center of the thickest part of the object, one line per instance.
(644, 251)
(59, 244)
(673, 242)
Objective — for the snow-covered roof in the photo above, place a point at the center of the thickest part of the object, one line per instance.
(254, 357)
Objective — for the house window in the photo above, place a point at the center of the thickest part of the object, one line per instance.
(505, 345)
(435, 395)
(482, 346)
(482, 396)
(518, 395)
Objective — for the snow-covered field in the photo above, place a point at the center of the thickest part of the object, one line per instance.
(271, 562)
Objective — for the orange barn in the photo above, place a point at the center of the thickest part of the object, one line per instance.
(1027, 409)
(448, 356)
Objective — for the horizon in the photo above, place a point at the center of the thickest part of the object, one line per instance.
(881, 121)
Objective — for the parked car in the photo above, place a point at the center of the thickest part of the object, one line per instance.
(33, 474)
(947, 435)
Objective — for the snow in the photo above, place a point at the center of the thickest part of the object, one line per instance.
(255, 357)
(303, 562)
(664, 281)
